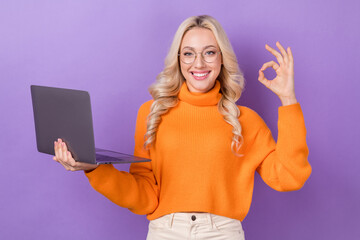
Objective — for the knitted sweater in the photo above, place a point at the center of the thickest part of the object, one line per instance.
(193, 168)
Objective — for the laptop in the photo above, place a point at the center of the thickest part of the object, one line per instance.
(66, 114)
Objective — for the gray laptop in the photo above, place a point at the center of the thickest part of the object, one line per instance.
(66, 114)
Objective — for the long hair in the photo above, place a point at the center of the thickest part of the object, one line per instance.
(168, 83)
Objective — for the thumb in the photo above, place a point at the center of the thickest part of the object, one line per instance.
(263, 79)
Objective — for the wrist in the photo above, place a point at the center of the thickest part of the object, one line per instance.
(90, 169)
(288, 100)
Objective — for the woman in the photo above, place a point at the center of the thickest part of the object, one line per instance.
(204, 148)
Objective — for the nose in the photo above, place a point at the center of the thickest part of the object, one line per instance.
(199, 61)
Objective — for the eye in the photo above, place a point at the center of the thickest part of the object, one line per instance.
(210, 52)
(188, 54)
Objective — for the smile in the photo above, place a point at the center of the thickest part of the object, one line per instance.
(200, 75)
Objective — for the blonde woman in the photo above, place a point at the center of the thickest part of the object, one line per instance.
(204, 148)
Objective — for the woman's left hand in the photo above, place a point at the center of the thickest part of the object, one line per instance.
(283, 84)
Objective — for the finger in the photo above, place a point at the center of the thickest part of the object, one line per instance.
(61, 151)
(70, 160)
(64, 154)
(64, 151)
(275, 53)
(58, 145)
(283, 52)
(55, 148)
(291, 58)
(67, 167)
(64, 146)
(263, 79)
(261, 76)
(58, 150)
(59, 155)
(272, 64)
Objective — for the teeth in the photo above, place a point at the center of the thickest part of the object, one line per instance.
(200, 74)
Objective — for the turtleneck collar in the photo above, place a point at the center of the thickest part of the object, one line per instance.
(209, 98)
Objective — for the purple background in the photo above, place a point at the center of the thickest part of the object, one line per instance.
(115, 49)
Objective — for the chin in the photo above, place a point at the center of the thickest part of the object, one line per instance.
(201, 86)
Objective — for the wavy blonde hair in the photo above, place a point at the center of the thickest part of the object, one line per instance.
(168, 83)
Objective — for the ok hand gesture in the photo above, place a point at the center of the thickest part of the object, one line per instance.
(283, 84)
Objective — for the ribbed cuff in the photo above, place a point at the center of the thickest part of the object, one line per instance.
(290, 113)
(101, 170)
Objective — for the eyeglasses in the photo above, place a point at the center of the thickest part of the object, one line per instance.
(209, 55)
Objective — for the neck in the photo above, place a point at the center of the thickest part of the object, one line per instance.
(209, 98)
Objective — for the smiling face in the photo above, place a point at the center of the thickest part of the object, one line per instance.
(200, 75)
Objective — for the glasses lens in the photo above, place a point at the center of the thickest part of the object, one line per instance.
(210, 55)
(187, 56)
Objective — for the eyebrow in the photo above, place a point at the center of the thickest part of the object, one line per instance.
(202, 49)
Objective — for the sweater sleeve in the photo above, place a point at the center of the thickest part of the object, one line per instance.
(136, 190)
(284, 165)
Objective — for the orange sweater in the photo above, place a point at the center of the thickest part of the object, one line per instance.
(193, 168)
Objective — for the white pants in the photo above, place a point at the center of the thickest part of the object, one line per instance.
(180, 226)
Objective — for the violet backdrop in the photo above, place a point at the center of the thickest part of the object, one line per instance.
(115, 49)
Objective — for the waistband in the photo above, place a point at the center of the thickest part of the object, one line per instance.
(192, 218)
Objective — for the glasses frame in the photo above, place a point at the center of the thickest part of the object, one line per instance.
(202, 57)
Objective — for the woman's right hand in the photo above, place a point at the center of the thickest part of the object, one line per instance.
(63, 156)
